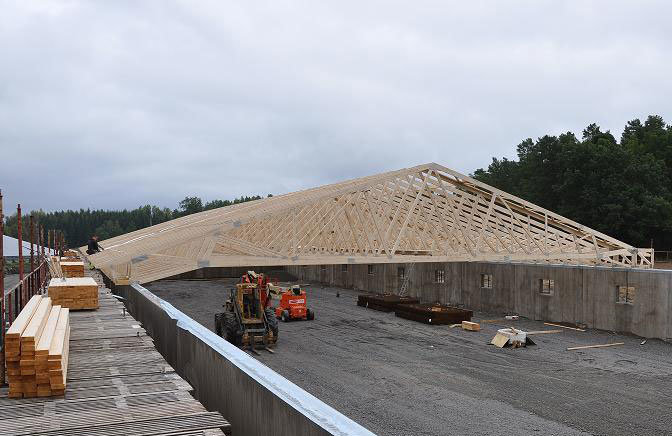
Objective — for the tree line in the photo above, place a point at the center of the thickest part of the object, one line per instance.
(620, 188)
(79, 225)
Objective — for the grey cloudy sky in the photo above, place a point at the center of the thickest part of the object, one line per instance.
(150, 101)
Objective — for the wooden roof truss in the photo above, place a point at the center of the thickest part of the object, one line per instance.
(427, 213)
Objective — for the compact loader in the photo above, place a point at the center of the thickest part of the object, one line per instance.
(247, 322)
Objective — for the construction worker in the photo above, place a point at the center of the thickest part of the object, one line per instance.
(93, 246)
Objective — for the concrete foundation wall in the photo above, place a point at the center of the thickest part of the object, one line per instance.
(581, 295)
(256, 400)
(219, 272)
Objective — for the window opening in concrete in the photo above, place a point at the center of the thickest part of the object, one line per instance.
(546, 286)
(439, 276)
(370, 270)
(626, 294)
(344, 267)
(486, 281)
(401, 272)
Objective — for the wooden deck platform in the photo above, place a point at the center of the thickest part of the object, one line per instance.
(117, 384)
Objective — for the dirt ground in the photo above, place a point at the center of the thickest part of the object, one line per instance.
(400, 377)
(11, 280)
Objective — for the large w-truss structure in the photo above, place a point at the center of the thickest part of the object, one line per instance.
(427, 213)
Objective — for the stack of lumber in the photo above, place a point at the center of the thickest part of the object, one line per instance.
(75, 293)
(72, 269)
(70, 253)
(41, 334)
(471, 326)
(55, 266)
(13, 347)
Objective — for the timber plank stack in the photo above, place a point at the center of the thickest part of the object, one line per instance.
(75, 293)
(42, 353)
(57, 357)
(36, 375)
(13, 347)
(118, 384)
(72, 269)
(70, 253)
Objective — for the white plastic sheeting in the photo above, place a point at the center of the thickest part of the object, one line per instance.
(10, 247)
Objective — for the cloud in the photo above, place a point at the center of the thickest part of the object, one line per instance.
(147, 102)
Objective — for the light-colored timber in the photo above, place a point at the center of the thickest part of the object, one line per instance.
(117, 384)
(72, 269)
(564, 327)
(75, 293)
(428, 213)
(585, 347)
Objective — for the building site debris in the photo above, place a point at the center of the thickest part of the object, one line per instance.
(497, 320)
(439, 314)
(544, 332)
(564, 327)
(384, 302)
(511, 337)
(471, 326)
(512, 317)
(595, 346)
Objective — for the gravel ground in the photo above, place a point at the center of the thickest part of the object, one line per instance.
(11, 280)
(399, 377)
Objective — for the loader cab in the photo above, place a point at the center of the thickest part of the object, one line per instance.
(248, 300)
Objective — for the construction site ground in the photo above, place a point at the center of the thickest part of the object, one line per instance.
(11, 280)
(400, 377)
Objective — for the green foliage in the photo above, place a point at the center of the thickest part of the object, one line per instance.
(79, 225)
(621, 189)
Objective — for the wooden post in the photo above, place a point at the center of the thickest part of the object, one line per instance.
(20, 237)
(2, 287)
(32, 255)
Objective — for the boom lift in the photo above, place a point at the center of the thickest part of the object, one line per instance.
(292, 305)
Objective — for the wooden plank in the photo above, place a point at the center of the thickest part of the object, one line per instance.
(564, 327)
(471, 326)
(34, 329)
(595, 346)
(45, 340)
(115, 385)
(24, 317)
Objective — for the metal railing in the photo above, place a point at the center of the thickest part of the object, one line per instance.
(36, 282)
(663, 256)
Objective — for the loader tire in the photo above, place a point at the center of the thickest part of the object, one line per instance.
(218, 324)
(285, 316)
(310, 315)
(272, 321)
(233, 334)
